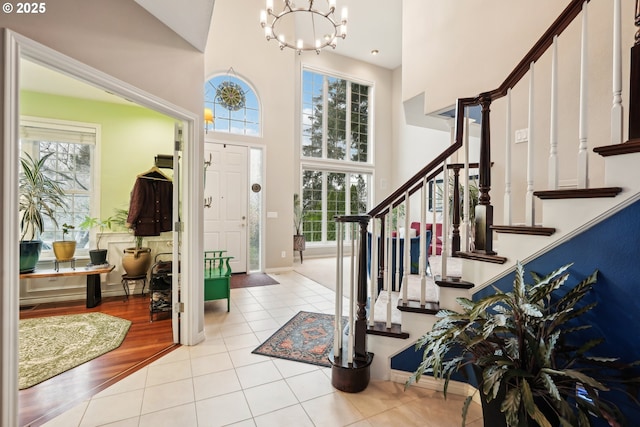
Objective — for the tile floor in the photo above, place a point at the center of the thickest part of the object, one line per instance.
(219, 382)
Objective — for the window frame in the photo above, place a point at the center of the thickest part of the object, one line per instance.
(346, 165)
(208, 103)
(44, 124)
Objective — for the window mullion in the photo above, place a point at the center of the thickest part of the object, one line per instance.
(325, 205)
(325, 116)
(347, 130)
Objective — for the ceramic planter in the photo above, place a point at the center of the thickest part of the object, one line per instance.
(64, 249)
(136, 261)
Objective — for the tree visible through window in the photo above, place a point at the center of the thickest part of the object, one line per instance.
(335, 150)
(71, 164)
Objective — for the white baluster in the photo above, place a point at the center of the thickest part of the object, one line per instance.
(337, 332)
(388, 255)
(553, 127)
(507, 163)
(616, 109)
(445, 217)
(583, 155)
(397, 253)
(529, 203)
(374, 270)
(466, 219)
(352, 285)
(407, 246)
(424, 251)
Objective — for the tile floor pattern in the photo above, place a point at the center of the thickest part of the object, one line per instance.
(219, 382)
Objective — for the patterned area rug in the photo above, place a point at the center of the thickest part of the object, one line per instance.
(52, 345)
(307, 337)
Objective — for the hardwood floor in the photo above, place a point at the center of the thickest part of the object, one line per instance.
(145, 342)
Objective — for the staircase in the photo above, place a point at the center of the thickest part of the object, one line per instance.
(555, 219)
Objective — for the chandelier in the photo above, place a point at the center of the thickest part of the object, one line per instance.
(302, 26)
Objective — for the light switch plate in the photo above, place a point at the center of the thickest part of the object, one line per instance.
(522, 135)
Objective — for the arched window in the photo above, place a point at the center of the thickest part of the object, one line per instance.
(234, 105)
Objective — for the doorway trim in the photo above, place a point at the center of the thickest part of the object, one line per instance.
(16, 47)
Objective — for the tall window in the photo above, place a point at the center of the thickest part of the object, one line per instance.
(234, 105)
(335, 152)
(71, 164)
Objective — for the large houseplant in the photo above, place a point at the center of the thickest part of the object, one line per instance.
(137, 259)
(529, 364)
(39, 197)
(299, 241)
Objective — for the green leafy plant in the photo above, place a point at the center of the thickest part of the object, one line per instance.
(102, 224)
(120, 221)
(66, 228)
(523, 343)
(40, 196)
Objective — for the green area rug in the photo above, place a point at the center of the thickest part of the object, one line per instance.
(307, 337)
(52, 345)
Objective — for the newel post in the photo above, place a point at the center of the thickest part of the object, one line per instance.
(634, 87)
(484, 210)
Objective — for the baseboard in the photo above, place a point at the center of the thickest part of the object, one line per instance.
(427, 382)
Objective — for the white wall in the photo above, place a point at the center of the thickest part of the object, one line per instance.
(237, 40)
(462, 49)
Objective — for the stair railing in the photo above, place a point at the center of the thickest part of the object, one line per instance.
(386, 212)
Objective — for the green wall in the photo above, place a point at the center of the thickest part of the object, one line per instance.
(131, 137)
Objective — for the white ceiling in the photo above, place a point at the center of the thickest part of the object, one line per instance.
(372, 24)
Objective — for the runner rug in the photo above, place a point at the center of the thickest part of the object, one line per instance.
(307, 337)
(52, 345)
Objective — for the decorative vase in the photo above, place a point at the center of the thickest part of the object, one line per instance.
(98, 256)
(64, 249)
(29, 255)
(136, 261)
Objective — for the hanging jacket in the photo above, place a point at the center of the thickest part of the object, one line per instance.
(150, 208)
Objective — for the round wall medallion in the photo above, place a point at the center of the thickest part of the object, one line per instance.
(230, 95)
(256, 188)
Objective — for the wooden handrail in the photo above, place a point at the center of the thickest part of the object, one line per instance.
(539, 48)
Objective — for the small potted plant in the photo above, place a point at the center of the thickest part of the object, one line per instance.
(65, 249)
(98, 256)
(39, 197)
(299, 241)
(531, 363)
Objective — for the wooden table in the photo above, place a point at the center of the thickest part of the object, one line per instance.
(94, 291)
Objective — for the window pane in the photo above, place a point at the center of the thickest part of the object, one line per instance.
(240, 113)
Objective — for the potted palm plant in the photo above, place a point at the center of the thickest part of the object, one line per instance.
(531, 364)
(64, 249)
(98, 256)
(39, 197)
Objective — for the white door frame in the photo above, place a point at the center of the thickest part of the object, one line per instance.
(209, 139)
(16, 47)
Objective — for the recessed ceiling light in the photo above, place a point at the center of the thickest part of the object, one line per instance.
(374, 52)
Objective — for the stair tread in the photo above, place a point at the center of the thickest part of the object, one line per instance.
(415, 306)
(454, 282)
(535, 230)
(632, 146)
(480, 256)
(578, 193)
(380, 328)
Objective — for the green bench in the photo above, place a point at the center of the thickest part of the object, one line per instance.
(217, 276)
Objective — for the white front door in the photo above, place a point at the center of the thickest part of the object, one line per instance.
(225, 202)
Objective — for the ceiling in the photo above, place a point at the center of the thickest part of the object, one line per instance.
(372, 24)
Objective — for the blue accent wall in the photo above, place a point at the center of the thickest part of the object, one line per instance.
(613, 248)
